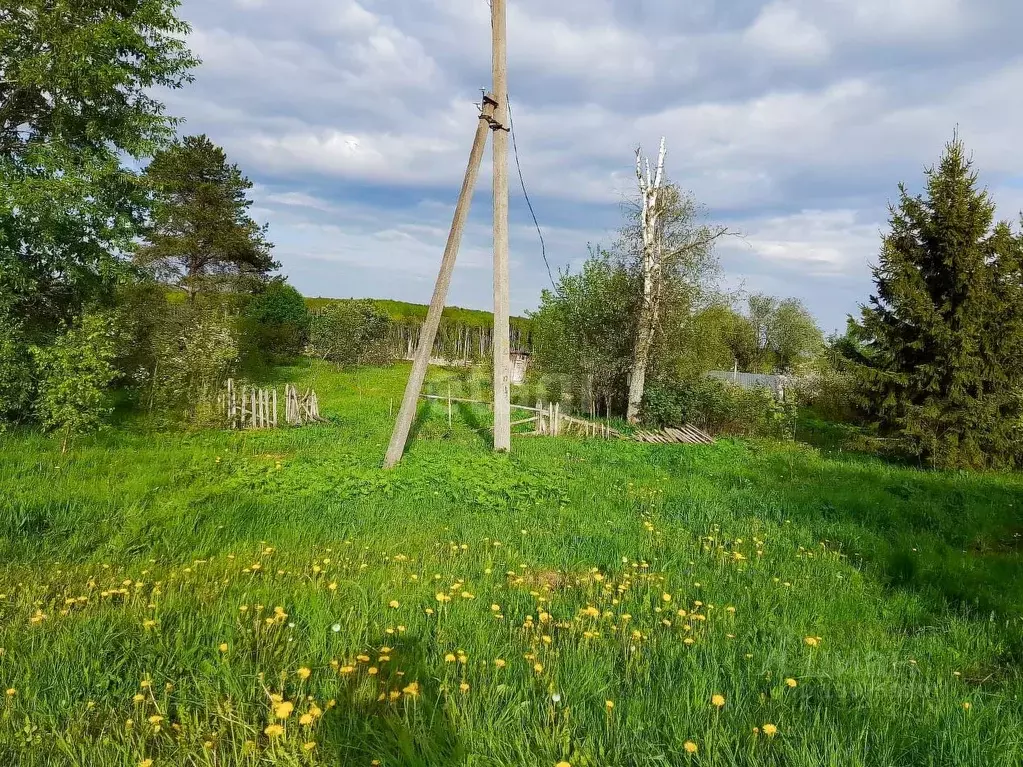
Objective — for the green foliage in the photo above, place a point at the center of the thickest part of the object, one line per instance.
(945, 329)
(463, 334)
(201, 237)
(774, 336)
(195, 349)
(720, 408)
(16, 373)
(276, 322)
(77, 88)
(351, 333)
(582, 332)
(74, 373)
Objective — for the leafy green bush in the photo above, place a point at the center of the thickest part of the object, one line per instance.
(195, 350)
(276, 323)
(351, 333)
(16, 384)
(720, 408)
(74, 374)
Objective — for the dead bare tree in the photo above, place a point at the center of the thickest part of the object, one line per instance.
(649, 190)
(674, 250)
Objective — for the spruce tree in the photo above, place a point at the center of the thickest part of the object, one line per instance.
(945, 327)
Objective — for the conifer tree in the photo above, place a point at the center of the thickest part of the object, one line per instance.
(945, 328)
(201, 236)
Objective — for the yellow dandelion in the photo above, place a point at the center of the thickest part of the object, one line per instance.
(665, 597)
(372, 671)
(146, 763)
(394, 604)
(305, 720)
(138, 697)
(346, 669)
(791, 682)
(538, 668)
(303, 673)
(307, 747)
(690, 747)
(464, 687)
(609, 704)
(273, 730)
(563, 764)
(283, 710)
(500, 663)
(967, 705)
(717, 700)
(770, 730)
(450, 658)
(155, 719)
(812, 641)
(442, 597)
(148, 624)
(412, 690)
(223, 647)
(11, 692)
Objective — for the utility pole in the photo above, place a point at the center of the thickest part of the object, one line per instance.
(502, 352)
(493, 116)
(410, 402)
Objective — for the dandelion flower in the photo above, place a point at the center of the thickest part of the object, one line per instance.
(283, 710)
(394, 604)
(11, 692)
(305, 720)
(273, 730)
(770, 730)
(791, 682)
(717, 700)
(146, 763)
(967, 705)
(303, 673)
(450, 658)
(538, 668)
(690, 747)
(372, 671)
(563, 764)
(223, 647)
(138, 697)
(464, 687)
(666, 597)
(412, 690)
(500, 663)
(609, 704)
(812, 641)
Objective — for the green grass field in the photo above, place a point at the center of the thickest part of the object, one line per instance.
(276, 598)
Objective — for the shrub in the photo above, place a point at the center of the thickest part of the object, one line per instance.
(16, 373)
(276, 323)
(195, 351)
(351, 333)
(74, 373)
(720, 408)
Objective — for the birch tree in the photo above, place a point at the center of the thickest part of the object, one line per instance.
(649, 191)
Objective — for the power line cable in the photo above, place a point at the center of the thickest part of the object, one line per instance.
(522, 181)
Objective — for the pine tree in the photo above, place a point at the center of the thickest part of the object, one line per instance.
(201, 235)
(945, 328)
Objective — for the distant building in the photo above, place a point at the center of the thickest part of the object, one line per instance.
(519, 366)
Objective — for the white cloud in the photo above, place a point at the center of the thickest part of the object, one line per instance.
(782, 31)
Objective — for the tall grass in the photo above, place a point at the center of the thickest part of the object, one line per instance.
(164, 596)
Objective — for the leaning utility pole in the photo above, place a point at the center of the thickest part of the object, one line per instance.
(502, 352)
(493, 116)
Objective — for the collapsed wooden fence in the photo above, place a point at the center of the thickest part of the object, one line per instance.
(252, 407)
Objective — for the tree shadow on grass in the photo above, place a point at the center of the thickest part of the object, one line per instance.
(413, 730)
(953, 537)
(477, 426)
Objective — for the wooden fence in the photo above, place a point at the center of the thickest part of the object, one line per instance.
(252, 407)
(549, 419)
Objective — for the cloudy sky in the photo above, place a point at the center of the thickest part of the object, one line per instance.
(792, 120)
